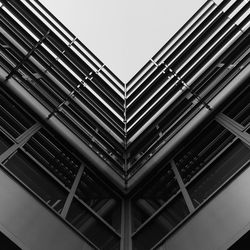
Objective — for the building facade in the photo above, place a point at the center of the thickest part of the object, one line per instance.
(89, 162)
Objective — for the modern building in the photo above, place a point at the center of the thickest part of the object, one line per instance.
(89, 162)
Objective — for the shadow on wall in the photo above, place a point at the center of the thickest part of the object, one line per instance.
(6, 243)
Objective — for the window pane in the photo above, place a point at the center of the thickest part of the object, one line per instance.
(201, 150)
(99, 198)
(54, 156)
(30, 174)
(161, 225)
(5, 143)
(13, 119)
(92, 228)
(218, 172)
(239, 110)
(153, 196)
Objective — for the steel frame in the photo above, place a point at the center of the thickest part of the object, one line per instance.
(125, 130)
(170, 73)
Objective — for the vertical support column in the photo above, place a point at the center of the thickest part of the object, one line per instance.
(126, 218)
(72, 192)
(182, 187)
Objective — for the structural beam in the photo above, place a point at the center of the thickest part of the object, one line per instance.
(182, 134)
(44, 114)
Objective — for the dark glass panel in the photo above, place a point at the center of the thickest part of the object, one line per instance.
(153, 196)
(219, 171)
(13, 119)
(206, 145)
(5, 142)
(54, 156)
(99, 198)
(92, 228)
(239, 110)
(161, 224)
(30, 174)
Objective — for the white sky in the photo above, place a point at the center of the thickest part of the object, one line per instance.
(123, 34)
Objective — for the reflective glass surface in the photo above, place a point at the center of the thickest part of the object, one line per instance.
(98, 197)
(201, 150)
(92, 228)
(37, 180)
(53, 155)
(153, 196)
(13, 119)
(239, 109)
(161, 224)
(219, 171)
(5, 142)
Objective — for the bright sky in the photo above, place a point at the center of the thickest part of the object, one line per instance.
(123, 34)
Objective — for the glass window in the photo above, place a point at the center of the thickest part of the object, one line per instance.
(153, 196)
(239, 110)
(161, 224)
(92, 228)
(219, 171)
(13, 119)
(96, 195)
(63, 165)
(32, 176)
(54, 156)
(5, 142)
(201, 150)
